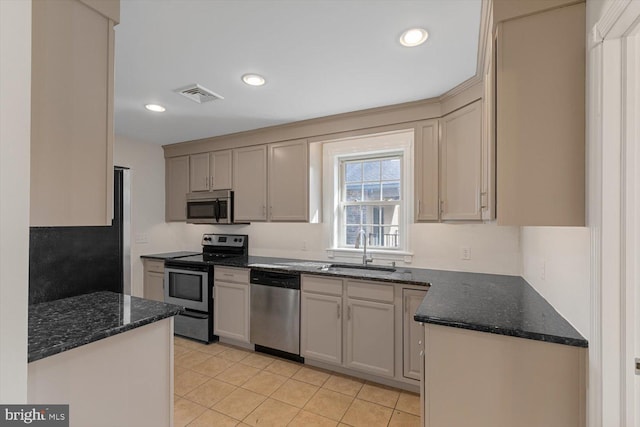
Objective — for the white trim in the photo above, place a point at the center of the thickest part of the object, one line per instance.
(614, 185)
(400, 141)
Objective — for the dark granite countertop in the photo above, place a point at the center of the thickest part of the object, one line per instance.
(169, 255)
(61, 325)
(498, 304)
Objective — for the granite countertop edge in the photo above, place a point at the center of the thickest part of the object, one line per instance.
(536, 336)
(167, 310)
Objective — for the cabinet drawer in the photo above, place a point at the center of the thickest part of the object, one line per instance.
(156, 266)
(322, 285)
(227, 274)
(370, 291)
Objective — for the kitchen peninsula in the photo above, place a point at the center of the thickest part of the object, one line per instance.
(109, 356)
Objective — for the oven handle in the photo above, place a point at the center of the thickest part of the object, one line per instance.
(194, 315)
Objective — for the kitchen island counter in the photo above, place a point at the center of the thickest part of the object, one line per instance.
(64, 324)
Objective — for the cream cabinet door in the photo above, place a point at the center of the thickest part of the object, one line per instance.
(460, 163)
(231, 310)
(154, 285)
(288, 181)
(177, 187)
(412, 333)
(71, 114)
(426, 171)
(250, 183)
(540, 118)
(370, 337)
(199, 172)
(220, 170)
(321, 328)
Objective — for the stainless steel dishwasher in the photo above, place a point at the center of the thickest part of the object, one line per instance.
(275, 313)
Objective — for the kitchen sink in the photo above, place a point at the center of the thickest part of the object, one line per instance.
(336, 267)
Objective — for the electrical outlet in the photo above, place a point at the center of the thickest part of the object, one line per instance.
(142, 238)
(304, 245)
(465, 253)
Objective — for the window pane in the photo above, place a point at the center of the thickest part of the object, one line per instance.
(372, 171)
(351, 234)
(391, 169)
(353, 193)
(353, 215)
(353, 172)
(372, 191)
(390, 191)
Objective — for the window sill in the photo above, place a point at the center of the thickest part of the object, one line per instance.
(378, 255)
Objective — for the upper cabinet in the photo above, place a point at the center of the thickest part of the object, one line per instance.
(250, 183)
(72, 112)
(540, 110)
(426, 171)
(288, 181)
(177, 187)
(210, 171)
(460, 163)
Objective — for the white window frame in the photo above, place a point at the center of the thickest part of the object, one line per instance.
(341, 220)
(372, 145)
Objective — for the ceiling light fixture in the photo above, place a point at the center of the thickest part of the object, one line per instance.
(155, 108)
(414, 37)
(253, 79)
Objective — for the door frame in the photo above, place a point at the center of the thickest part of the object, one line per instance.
(613, 208)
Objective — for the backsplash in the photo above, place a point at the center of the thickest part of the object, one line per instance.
(70, 261)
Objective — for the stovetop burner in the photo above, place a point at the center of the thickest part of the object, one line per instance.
(217, 247)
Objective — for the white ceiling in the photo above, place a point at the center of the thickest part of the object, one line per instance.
(320, 57)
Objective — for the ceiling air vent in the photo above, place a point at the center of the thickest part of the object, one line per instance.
(198, 94)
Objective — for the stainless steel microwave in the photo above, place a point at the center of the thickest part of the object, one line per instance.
(211, 207)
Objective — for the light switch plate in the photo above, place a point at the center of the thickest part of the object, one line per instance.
(142, 238)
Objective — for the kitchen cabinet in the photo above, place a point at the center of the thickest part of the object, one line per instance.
(370, 328)
(177, 187)
(321, 319)
(460, 163)
(250, 183)
(210, 171)
(540, 118)
(490, 380)
(412, 334)
(231, 303)
(288, 181)
(72, 112)
(426, 171)
(153, 281)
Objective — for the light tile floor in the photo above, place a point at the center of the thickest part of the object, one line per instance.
(220, 385)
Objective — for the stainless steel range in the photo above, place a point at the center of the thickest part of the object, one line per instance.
(188, 282)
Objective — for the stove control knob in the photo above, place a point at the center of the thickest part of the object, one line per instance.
(207, 239)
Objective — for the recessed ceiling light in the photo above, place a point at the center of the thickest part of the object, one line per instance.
(414, 37)
(253, 79)
(155, 108)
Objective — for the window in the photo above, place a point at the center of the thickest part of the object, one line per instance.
(370, 200)
(367, 182)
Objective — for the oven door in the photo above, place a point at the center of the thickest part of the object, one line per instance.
(187, 288)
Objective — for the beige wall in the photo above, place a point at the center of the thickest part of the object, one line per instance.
(15, 125)
(493, 249)
(555, 261)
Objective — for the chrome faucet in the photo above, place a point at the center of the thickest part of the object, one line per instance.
(362, 236)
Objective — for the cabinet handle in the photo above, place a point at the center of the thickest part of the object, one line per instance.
(441, 207)
(206, 182)
(227, 274)
(211, 181)
(483, 196)
(348, 312)
(338, 311)
(264, 210)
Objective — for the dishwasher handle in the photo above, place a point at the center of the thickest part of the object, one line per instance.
(275, 279)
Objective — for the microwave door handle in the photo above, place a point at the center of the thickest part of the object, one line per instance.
(217, 210)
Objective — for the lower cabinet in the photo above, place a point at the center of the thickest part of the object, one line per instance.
(321, 327)
(362, 326)
(153, 282)
(370, 336)
(412, 335)
(231, 303)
